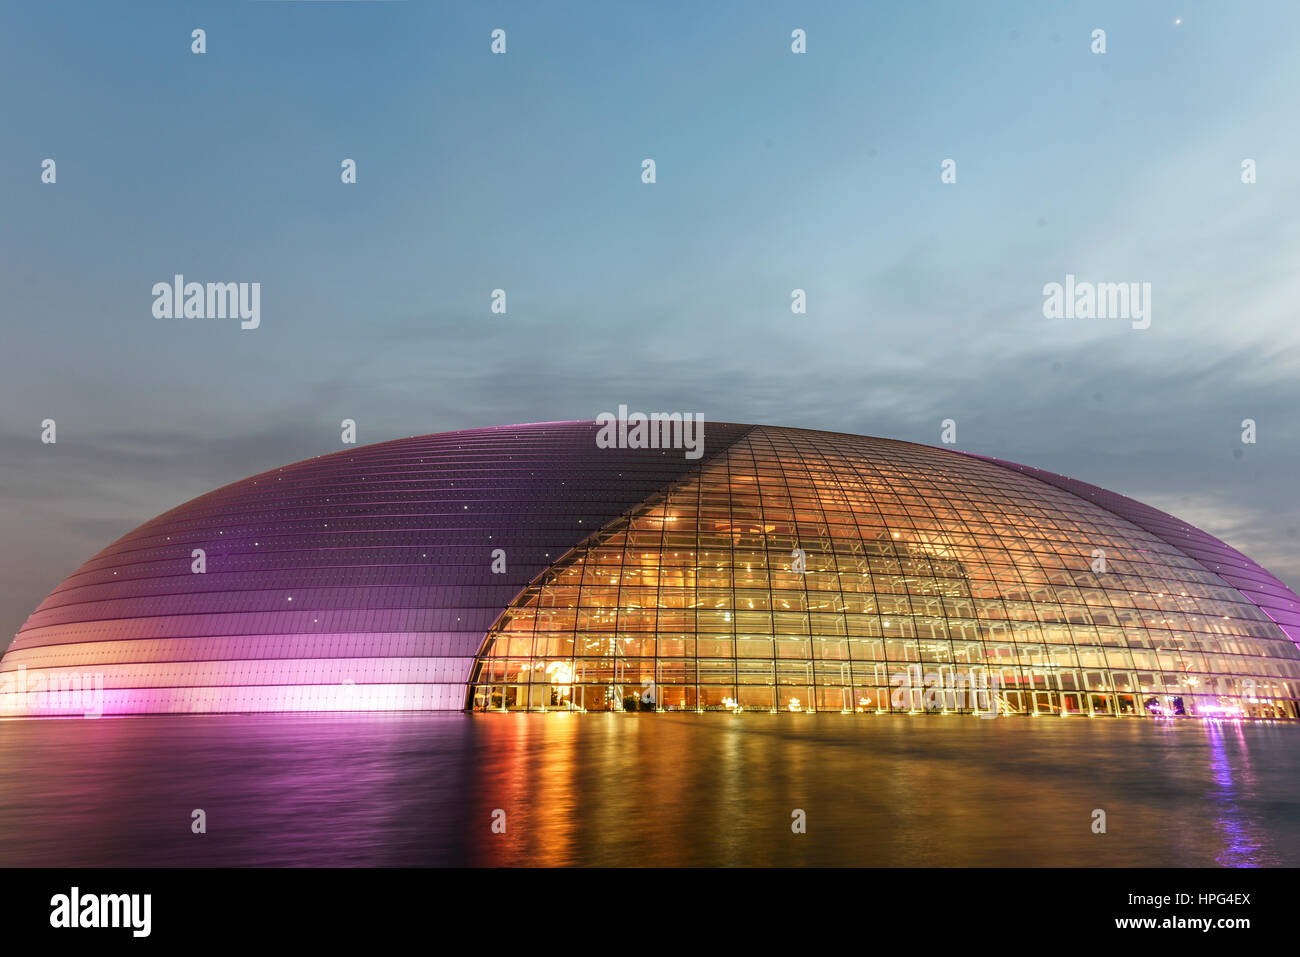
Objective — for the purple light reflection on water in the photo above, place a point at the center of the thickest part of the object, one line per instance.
(1241, 847)
(661, 789)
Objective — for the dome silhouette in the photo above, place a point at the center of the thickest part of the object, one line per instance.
(528, 568)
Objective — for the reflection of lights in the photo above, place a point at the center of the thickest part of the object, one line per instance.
(794, 705)
(1221, 710)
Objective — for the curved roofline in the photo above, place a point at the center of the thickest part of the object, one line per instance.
(1256, 584)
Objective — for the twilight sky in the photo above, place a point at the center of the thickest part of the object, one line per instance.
(522, 171)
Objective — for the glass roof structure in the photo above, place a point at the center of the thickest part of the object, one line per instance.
(529, 568)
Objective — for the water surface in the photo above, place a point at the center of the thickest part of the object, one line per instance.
(660, 789)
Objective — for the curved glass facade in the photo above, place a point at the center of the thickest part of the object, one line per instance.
(528, 567)
(361, 580)
(813, 571)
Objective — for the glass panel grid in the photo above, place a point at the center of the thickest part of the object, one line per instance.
(925, 575)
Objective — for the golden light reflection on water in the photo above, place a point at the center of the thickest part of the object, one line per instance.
(651, 789)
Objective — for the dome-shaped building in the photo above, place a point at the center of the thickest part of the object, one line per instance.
(527, 567)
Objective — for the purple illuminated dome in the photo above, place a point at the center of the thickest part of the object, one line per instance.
(526, 568)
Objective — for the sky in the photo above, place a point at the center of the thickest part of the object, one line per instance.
(522, 171)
